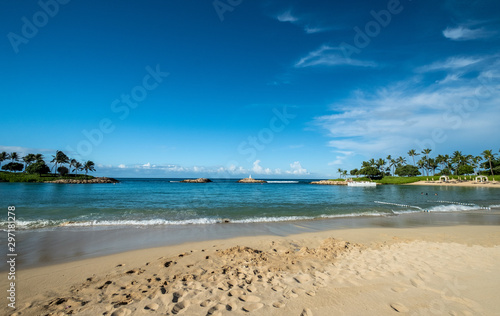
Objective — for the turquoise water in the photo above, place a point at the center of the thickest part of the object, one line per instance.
(145, 202)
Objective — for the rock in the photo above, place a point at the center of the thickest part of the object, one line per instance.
(329, 182)
(199, 180)
(250, 180)
(93, 180)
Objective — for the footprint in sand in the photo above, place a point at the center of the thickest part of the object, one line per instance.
(249, 298)
(279, 304)
(231, 306)
(215, 310)
(252, 307)
(121, 312)
(180, 307)
(236, 292)
(417, 283)
(306, 312)
(152, 307)
(400, 308)
(399, 289)
(177, 296)
(303, 278)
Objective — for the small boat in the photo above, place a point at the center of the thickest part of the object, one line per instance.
(361, 184)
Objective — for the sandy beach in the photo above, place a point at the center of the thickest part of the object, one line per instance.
(363, 271)
(454, 183)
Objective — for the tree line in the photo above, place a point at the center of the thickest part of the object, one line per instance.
(35, 164)
(456, 164)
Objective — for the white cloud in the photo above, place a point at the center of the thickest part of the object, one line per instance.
(296, 169)
(449, 78)
(303, 22)
(218, 171)
(330, 56)
(393, 119)
(286, 17)
(463, 33)
(451, 64)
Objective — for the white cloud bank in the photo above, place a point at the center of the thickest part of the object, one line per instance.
(456, 111)
(296, 169)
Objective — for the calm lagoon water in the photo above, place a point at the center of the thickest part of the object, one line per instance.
(163, 202)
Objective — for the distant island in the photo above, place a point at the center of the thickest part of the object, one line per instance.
(35, 169)
(250, 180)
(199, 180)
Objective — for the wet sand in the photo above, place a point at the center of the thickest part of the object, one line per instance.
(401, 264)
(65, 244)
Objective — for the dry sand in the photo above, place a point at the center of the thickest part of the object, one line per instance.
(454, 183)
(367, 271)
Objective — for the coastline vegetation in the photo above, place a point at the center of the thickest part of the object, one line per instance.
(398, 171)
(34, 168)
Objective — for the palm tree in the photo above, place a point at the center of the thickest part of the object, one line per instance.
(14, 156)
(458, 159)
(440, 161)
(475, 163)
(401, 160)
(380, 163)
(488, 155)
(88, 166)
(3, 156)
(372, 162)
(59, 158)
(392, 164)
(412, 153)
(339, 170)
(72, 163)
(39, 158)
(344, 173)
(421, 164)
(426, 152)
(432, 165)
(78, 166)
(28, 160)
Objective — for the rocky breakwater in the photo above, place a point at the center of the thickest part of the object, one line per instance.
(199, 180)
(79, 181)
(329, 182)
(250, 180)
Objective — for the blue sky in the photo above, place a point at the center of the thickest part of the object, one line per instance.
(276, 89)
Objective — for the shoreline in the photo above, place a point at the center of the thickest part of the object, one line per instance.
(362, 271)
(45, 247)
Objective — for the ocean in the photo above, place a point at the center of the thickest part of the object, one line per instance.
(167, 202)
